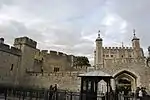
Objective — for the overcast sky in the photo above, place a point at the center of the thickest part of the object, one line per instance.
(71, 26)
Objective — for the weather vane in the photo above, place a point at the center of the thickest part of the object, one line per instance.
(134, 31)
(99, 33)
(122, 44)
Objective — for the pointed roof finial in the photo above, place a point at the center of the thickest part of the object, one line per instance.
(122, 44)
(134, 32)
(99, 38)
(99, 33)
(134, 35)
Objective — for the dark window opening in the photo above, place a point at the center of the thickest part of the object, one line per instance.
(12, 66)
(122, 56)
(107, 55)
(56, 69)
(112, 56)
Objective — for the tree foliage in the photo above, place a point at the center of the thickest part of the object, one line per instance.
(81, 61)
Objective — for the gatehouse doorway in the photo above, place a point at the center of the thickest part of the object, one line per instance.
(125, 82)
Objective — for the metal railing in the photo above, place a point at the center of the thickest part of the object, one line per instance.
(40, 94)
(131, 97)
(19, 93)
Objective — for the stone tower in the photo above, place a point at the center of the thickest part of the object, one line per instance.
(99, 51)
(2, 40)
(28, 48)
(136, 46)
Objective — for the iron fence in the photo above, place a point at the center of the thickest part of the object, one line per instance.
(131, 97)
(19, 93)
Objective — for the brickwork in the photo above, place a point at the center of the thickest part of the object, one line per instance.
(65, 80)
(9, 64)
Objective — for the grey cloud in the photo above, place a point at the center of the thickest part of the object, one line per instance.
(59, 9)
(71, 26)
(137, 14)
(84, 48)
(12, 29)
(5, 2)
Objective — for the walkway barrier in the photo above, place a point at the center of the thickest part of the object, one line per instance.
(129, 97)
(19, 93)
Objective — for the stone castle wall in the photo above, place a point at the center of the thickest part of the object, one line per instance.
(9, 49)
(9, 64)
(119, 52)
(24, 57)
(139, 69)
(64, 80)
(29, 62)
(53, 59)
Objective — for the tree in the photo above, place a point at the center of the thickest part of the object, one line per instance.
(81, 61)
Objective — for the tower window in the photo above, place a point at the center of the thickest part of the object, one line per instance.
(107, 55)
(12, 66)
(122, 56)
(112, 56)
(56, 69)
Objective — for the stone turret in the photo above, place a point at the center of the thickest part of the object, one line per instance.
(25, 41)
(149, 51)
(99, 51)
(136, 46)
(28, 48)
(2, 40)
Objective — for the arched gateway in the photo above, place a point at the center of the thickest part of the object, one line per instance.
(125, 81)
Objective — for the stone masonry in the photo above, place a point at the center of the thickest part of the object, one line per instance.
(25, 65)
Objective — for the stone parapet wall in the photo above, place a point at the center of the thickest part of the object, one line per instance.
(53, 53)
(26, 41)
(117, 48)
(9, 49)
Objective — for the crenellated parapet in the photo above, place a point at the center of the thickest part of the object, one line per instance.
(10, 49)
(117, 52)
(53, 53)
(118, 48)
(26, 41)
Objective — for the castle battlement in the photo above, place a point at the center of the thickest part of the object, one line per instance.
(26, 41)
(44, 51)
(117, 48)
(53, 53)
(10, 49)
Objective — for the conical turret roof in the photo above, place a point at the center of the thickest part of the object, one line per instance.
(134, 36)
(99, 38)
